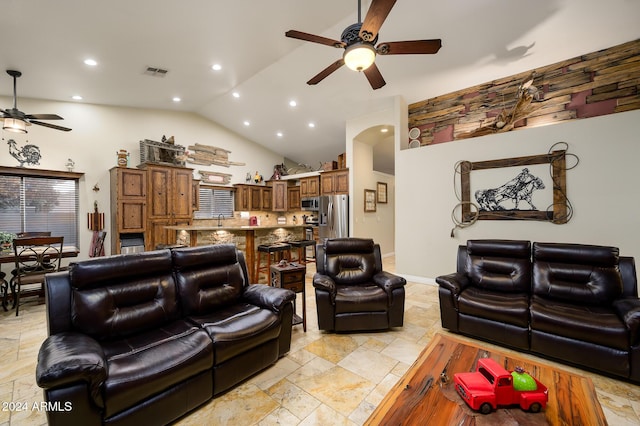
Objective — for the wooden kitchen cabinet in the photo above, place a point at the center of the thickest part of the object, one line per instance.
(334, 182)
(310, 186)
(169, 202)
(293, 197)
(128, 203)
(195, 195)
(252, 197)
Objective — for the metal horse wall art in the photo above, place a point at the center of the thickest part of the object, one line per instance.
(514, 191)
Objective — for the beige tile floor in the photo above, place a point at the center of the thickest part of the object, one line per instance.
(326, 379)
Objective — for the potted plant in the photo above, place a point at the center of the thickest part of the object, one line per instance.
(6, 240)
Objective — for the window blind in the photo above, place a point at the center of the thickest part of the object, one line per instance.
(214, 202)
(31, 204)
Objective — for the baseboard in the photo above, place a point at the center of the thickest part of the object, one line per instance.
(419, 280)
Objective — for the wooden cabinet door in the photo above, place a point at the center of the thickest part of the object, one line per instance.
(160, 192)
(195, 195)
(304, 187)
(131, 216)
(157, 234)
(341, 182)
(279, 196)
(267, 195)
(293, 198)
(256, 198)
(326, 184)
(131, 183)
(181, 193)
(313, 186)
(242, 200)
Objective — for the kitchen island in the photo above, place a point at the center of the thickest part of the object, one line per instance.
(246, 238)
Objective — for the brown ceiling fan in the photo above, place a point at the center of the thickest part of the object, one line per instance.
(358, 41)
(17, 121)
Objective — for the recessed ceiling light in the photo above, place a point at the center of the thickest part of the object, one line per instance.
(176, 99)
(292, 103)
(235, 95)
(384, 130)
(246, 123)
(312, 125)
(279, 134)
(76, 97)
(90, 62)
(216, 67)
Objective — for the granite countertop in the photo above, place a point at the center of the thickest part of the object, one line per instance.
(230, 228)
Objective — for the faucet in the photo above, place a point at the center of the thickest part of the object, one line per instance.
(220, 217)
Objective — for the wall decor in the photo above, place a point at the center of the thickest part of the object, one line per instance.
(207, 155)
(522, 188)
(381, 193)
(28, 153)
(166, 153)
(369, 200)
(590, 85)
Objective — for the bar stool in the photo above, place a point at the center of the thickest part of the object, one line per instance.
(301, 247)
(282, 249)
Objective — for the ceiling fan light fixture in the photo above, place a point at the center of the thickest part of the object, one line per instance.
(14, 125)
(359, 56)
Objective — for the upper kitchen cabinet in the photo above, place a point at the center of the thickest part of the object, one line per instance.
(286, 196)
(310, 186)
(334, 182)
(252, 197)
(169, 202)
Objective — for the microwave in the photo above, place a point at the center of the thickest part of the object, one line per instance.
(310, 203)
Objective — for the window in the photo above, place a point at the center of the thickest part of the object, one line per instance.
(39, 200)
(214, 202)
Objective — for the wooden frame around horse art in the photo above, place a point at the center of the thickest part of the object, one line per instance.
(557, 164)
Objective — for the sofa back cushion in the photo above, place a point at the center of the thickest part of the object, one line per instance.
(351, 261)
(576, 273)
(209, 277)
(116, 296)
(499, 265)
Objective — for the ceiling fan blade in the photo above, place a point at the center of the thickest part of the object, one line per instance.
(377, 13)
(44, 116)
(409, 47)
(374, 76)
(52, 126)
(314, 38)
(326, 72)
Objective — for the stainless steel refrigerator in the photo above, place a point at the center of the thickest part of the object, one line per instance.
(333, 216)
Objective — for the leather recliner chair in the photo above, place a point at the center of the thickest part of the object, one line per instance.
(352, 291)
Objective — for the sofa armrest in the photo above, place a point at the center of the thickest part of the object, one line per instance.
(264, 296)
(71, 357)
(388, 281)
(629, 311)
(455, 282)
(324, 282)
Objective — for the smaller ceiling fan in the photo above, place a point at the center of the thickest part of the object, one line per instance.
(17, 121)
(358, 42)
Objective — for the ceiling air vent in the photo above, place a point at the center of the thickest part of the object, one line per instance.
(156, 72)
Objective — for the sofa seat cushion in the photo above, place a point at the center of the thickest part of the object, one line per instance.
(148, 363)
(594, 324)
(362, 298)
(509, 308)
(238, 328)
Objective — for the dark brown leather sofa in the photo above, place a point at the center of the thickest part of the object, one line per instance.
(145, 338)
(352, 291)
(573, 303)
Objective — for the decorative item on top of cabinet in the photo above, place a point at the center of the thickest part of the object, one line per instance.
(163, 153)
(128, 204)
(334, 182)
(169, 202)
(310, 186)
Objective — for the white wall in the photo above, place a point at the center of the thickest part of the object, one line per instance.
(379, 225)
(99, 131)
(603, 190)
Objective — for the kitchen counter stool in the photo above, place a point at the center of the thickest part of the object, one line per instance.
(301, 248)
(283, 251)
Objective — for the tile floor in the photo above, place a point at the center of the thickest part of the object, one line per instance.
(335, 379)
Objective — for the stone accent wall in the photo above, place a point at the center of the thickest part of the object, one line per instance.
(599, 83)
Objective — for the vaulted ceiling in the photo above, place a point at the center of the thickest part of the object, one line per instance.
(482, 40)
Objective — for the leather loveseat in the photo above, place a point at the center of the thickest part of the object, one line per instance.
(145, 338)
(573, 303)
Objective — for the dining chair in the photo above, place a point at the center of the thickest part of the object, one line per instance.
(34, 257)
(33, 234)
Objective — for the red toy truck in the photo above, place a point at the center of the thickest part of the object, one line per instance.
(491, 386)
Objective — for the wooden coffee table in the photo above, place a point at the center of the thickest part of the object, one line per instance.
(425, 394)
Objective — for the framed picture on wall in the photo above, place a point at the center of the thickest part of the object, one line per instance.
(369, 200)
(382, 193)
